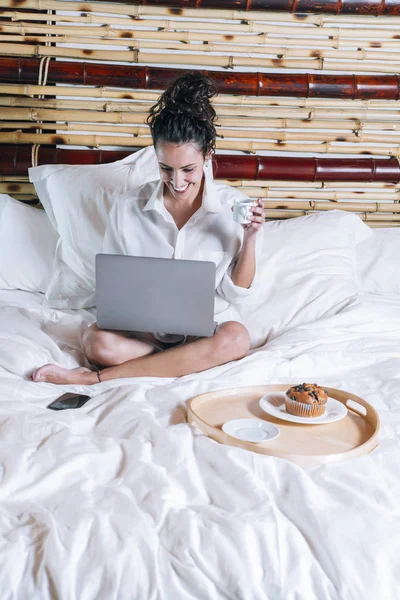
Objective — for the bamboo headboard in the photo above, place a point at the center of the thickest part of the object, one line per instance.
(308, 104)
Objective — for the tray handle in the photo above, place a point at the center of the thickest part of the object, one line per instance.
(362, 409)
(354, 404)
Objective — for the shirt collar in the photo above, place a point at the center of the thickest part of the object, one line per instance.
(210, 202)
(155, 202)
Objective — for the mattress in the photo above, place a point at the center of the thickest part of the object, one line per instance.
(123, 499)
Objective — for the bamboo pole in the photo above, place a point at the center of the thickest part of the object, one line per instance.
(317, 148)
(359, 138)
(304, 185)
(237, 49)
(30, 199)
(177, 41)
(197, 46)
(370, 207)
(272, 214)
(255, 189)
(225, 133)
(240, 26)
(371, 184)
(366, 207)
(245, 21)
(332, 196)
(335, 37)
(16, 89)
(382, 224)
(147, 99)
(15, 160)
(241, 46)
(96, 141)
(346, 6)
(21, 188)
(261, 43)
(378, 217)
(311, 103)
(137, 56)
(63, 127)
(91, 141)
(304, 189)
(14, 178)
(377, 211)
(239, 86)
(65, 117)
(358, 133)
(98, 111)
(235, 9)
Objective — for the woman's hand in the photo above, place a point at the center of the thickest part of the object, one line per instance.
(245, 268)
(257, 219)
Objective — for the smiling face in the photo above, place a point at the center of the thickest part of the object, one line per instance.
(181, 168)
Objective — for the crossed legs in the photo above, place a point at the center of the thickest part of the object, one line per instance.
(110, 348)
(130, 357)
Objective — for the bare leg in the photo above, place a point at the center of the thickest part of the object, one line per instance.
(109, 348)
(103, 348)
(230, 342)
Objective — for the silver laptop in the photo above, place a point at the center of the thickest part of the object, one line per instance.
(162, 295)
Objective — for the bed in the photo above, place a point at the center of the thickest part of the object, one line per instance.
(124, 499)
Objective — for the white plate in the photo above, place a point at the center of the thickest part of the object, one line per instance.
(251, 430)
(274, 405)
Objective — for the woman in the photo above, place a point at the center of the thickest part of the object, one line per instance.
(183, 214)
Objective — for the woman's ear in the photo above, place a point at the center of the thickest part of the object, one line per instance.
(208, 156)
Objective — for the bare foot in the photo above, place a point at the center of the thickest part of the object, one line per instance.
(56, 374)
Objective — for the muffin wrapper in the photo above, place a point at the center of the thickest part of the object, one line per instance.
(300, 409)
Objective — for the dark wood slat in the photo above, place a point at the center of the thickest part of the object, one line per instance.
(361, 7)
(363, 87)
(15, 160)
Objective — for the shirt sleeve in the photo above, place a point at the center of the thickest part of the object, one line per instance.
(235, 294)
(114, 241)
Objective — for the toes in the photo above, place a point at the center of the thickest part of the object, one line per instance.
(40, 374)
(36, 376)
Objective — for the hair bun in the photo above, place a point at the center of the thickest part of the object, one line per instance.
(184, 112)
(191, 93)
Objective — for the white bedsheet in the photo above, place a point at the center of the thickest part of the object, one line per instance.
(123, 499)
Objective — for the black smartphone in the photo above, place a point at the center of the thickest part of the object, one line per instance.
(69, 400)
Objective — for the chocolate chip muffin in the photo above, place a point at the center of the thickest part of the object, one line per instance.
(306, 400)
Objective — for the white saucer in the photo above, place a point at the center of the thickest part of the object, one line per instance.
(274, 405)
(251, 430)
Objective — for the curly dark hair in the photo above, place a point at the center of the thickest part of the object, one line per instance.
(184, 114)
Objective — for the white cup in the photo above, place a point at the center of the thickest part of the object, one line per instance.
(242, 210)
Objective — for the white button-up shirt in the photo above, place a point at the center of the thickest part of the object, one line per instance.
(140, 225)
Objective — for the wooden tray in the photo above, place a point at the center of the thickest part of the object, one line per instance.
(307, 445)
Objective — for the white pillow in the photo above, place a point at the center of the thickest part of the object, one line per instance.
(27, 246)
(307, 271)
(378, 262)
(77, 200)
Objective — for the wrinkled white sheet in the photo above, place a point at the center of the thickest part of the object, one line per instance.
(123, 499)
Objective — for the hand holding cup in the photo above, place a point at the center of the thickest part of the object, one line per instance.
(250, 214)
